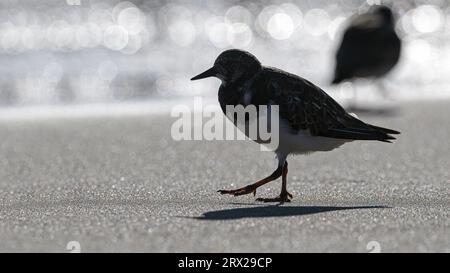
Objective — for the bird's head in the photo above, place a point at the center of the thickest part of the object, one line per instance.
(231, 66)
(386, 13)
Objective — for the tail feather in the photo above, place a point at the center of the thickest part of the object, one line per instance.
(384, 130)
(353, 128)
(360, 134)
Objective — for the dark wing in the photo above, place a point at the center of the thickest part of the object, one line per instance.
(306, 106)
(368, 48)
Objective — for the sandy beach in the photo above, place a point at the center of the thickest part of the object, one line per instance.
(122, 184)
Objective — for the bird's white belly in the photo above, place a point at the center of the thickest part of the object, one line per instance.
(302, 142)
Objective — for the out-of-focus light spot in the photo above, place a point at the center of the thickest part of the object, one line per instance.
(427, 18)
(115, 37)
(280, 26)
(131, 19)
(294, 12)
(405, 23)
(119, 7)
(101, 16)
(182, 32)
(265, 15)
(240, 35)
(316, 22)
(419, 51)
(107, 70)
(279, 22)
(32, 37)
(9, 39)
(61, 35)
(134, 44)
(238, 14)
(164, 85)
(89, 35)
(217, 31)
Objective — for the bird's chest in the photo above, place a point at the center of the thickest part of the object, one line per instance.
(231, 96)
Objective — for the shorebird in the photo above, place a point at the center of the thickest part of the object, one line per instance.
(309, 119)
(370, 47)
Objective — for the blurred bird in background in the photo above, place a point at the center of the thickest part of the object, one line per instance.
(370, 47)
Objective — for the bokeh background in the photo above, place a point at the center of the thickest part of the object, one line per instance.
(86, 52)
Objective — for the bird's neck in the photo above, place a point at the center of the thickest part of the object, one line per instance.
(389, 22)
(229, 95)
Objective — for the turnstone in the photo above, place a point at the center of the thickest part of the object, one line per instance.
(309, 119)
(370, 46)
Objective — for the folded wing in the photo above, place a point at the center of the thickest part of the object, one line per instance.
(307, 107)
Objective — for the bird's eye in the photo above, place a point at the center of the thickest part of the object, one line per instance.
(221, 71)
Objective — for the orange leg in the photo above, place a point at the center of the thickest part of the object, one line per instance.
(285, 196)
(252, 188)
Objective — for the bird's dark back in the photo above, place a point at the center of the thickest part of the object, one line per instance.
(304, 105)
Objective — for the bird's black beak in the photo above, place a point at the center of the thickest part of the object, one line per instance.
(208, 73)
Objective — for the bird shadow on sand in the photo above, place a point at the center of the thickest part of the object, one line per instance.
(275, 211)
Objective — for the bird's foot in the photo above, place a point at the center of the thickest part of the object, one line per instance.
(241, 191)
(285, 197)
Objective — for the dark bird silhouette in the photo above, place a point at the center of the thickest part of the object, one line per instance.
(309, 119)
(370, 46)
